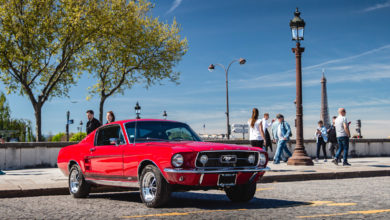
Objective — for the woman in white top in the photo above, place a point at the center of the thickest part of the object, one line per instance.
(256, 132)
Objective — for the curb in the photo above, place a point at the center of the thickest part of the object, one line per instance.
(264, 179)
(323, 176)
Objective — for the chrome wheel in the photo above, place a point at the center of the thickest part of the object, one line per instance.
(149, 186)
(74, 181)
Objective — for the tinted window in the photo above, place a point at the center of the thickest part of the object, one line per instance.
(148, 131)
(106, 135)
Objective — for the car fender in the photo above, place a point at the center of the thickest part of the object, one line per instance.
(146, 162)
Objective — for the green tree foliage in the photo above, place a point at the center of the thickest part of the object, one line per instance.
(40, 44)
(13, 128)
(78, 136)
(59, 137)
(134, 48)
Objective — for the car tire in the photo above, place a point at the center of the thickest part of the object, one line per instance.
(78, 187)
(154, 189)
(241, 193)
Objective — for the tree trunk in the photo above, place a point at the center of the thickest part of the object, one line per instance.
(38, 121)
(101, 108)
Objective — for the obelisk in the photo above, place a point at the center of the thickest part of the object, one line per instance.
(324, 102)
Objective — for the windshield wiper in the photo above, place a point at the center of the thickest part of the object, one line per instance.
(151, 139)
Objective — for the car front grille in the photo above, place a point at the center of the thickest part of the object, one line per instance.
(227, 159)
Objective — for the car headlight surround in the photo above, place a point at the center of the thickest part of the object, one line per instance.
(203, 159)
(262, 159)
(177, 160)
(251, 158)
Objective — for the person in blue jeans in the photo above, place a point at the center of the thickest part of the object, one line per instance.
(281, 132)
(343, 134)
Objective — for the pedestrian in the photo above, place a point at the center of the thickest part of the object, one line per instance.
(110, 117)
(332, 139)
(282, 135)
(266, 124)
(1, 142)
(256, 132)
(92, 123)
(343, 135)
(321, 139)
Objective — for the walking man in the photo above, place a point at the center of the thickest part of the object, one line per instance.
(343, 135)
(282, 135)
(92, 123)
(266, 124)
(332, 139)
(321, 138)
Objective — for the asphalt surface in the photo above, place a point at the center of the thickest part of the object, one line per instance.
(358, 198)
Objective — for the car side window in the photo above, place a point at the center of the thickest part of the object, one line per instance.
(107, 134)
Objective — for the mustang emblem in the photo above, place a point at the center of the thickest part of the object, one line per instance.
(228, 159)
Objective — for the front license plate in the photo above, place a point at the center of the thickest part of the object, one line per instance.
(227, 179)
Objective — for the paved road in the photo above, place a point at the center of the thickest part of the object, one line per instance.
(321, 199)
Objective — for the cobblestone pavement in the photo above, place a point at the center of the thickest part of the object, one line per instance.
(358, 198)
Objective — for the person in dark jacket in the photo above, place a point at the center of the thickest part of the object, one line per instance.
(92, 123)
(332, 139)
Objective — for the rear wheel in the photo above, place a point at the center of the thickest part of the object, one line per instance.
(154, 190)
(78, 187)
(241, 193)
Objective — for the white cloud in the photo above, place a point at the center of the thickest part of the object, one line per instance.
(377, 6)
(175, 4)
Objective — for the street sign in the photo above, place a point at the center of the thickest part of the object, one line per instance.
(239, 126)
(240, 130)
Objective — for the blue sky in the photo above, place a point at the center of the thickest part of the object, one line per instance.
(349, 39)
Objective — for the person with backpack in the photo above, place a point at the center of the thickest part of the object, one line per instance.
(282, 134)
(332, 139)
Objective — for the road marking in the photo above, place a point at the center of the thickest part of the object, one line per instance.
(262, 189)
(329, 203)
(347, 213)
(182, 213)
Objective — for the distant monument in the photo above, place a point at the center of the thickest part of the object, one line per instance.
(324, 102)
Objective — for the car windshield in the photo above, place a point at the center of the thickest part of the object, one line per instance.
(151, 131)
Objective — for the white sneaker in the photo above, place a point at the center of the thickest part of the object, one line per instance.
(316, 160)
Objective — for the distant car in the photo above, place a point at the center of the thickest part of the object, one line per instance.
(159, 157)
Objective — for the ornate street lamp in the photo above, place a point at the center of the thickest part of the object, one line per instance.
(81, 126)
(165, 115)
(137, 109)
(241, 61)
(299, 157)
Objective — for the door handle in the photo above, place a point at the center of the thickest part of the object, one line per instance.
(92, 149)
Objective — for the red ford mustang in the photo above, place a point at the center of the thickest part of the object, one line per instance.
(159, 157)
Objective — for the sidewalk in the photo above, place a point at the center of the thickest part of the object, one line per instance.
(50, 181)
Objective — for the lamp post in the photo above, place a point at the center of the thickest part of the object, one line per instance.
(241, 61)
(299, 157)
(137, 109)
(68, 122)
(165, 115)
(81, 126)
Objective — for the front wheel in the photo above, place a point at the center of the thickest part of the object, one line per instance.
(78, 187)
(154, 190)
(241, 193)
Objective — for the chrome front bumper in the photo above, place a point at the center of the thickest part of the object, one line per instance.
(220, 170)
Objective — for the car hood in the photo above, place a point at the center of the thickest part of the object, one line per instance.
(204, 146)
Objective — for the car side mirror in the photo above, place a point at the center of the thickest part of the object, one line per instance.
(115, 141)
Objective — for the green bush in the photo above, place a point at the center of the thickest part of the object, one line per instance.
(78, 136)
(58, 137)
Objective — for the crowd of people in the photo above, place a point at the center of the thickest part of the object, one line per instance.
(337, 136)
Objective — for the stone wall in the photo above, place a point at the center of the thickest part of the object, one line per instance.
(44, 154)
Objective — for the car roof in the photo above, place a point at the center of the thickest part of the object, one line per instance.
(146, 119)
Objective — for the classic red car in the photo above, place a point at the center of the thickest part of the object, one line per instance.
(160, 156)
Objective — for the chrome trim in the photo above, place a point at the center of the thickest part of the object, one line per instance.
(114, 183)
(252, 151)
(201, 178)
(253, 177)
(219, 170)
(229, 184)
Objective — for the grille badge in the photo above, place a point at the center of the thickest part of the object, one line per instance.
(228, 159)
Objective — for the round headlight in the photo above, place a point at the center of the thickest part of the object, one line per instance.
(251, 158)
(203, 159)
(262, 159)
(177, 160)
